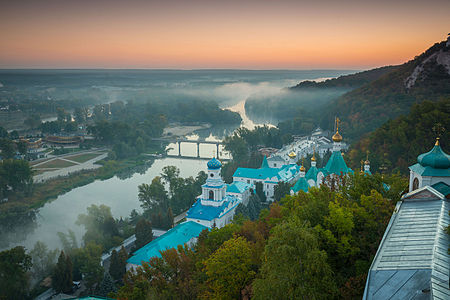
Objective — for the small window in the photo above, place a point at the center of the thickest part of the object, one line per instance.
(248, 181)
(415, 184)
(274, 164)
(212, 175)
(211, 195)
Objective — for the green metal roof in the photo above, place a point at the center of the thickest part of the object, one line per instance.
(442, 188)
(336, 165)
(264, 163)
(312, 173)
(435, 158)
(301, 184)
(430, 171)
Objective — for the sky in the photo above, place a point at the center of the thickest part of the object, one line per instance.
(195, 34)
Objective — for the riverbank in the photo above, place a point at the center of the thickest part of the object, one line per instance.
(183, 130)
(51, 189)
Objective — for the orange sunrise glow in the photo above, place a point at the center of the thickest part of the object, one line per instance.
(218, 34)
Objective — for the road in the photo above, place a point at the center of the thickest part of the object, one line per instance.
(90, 164)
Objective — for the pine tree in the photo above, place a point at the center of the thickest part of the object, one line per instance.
(115, 266)
(106, 286)
(143, 232)
(169, 218)
(62, 275)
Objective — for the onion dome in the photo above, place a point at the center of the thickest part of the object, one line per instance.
(313, 158)
(337, 137)
(214, 164)
(302, 169)
(436, 158)
(292, 154)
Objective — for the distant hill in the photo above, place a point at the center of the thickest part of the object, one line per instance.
(363, 101)
(398, 142)
(347, 81)
(307, 96)
(426, 77)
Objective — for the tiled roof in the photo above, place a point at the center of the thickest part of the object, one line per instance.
(178, 235)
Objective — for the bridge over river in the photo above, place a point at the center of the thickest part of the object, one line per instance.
(180, 141)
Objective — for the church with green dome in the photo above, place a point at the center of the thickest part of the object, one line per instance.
(431, 167)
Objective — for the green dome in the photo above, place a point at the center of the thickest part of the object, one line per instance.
(436, 158)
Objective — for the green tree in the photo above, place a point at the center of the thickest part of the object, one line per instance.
(229, 269)
(22, 147)
(14, 264)
(143, 232)
(115, 267)
(169, 175)
(281, 190)
(16, 174)
(91, 264)
(152, 195)
(100, 226)
(8, 148)
(294, 267)
(62, 275)
(259, 190)
(106, 286)
(43, 260)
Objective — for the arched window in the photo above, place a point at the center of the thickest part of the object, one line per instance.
(415, 184)
(211, 195)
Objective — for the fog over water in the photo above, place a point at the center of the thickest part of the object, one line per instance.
(230, 88)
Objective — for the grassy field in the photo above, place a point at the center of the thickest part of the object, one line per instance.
(81, 158)
(56, 163)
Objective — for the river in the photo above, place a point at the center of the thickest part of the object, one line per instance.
(120, 195)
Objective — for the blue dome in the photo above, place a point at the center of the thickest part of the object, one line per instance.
(436, 158)
(214, 164)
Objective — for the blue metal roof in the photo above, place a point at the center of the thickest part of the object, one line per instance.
(412, 259)
(209, 212)
(214, 164)
(285, 173)
(179, 235)
(238, 187)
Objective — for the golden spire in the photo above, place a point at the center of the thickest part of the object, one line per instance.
(367, 162)
(302, 168)
(313, 158)
(438, 130)
(361, 171)
(337, 137)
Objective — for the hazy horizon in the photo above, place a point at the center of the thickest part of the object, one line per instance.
(200, 34)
